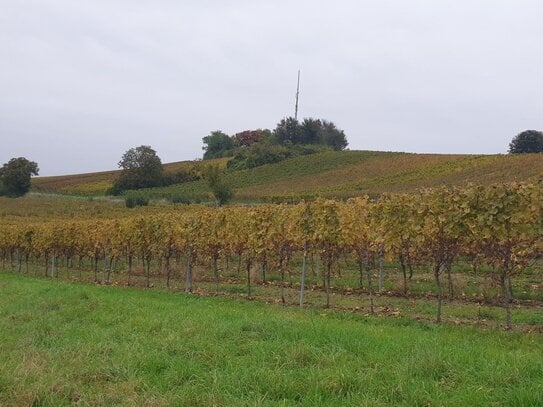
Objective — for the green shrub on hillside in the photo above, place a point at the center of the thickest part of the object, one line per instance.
(180, 199)
(131, 201)
(222, 191)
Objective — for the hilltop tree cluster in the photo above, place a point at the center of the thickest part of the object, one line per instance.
(310, 131)
(290, 138)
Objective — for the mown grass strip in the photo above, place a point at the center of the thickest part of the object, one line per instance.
(63, 343)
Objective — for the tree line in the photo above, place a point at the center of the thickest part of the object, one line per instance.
(290, 138)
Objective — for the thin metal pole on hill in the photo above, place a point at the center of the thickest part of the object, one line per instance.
(297, 96)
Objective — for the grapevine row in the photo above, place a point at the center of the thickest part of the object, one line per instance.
(500, 226)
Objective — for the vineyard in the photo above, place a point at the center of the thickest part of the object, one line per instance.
(331, 174)
(459, 244)
(97, 183)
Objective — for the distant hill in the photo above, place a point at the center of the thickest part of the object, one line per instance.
(97, 183)
(331, 174)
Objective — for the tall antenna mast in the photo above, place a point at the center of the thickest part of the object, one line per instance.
(297, 95)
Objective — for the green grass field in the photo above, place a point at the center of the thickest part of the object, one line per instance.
(65, 344)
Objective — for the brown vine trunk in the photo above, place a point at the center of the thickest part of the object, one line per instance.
(104, 268)
(449, 280)
(239, 265)
(370, 288)
(129, 268)
(282, 273)
(289, 270)
(147, 263)
(437, 272)
(95, 267)
(506, 293)
(264, 267)
(168, 272)
(216, 272)
(188, 275)
(361, 277)
(381, 274)
(404, 274)
(248, 276)
(79, 268)
(327, 277)
(111, 259)
(302, 278)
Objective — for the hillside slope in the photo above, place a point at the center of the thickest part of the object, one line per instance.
(333, 173)
(97, 183)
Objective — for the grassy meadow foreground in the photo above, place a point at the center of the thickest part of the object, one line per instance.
(65, 343)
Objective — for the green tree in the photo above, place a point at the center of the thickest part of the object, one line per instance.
(15, 176)
(288, 130)
(217, 144)
(310, 131)
(219, 188)
(332, 136)
(141, 168)
(529, 141)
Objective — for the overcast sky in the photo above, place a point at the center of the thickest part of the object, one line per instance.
(83, 81)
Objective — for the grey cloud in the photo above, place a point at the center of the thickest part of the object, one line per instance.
(82, 81)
